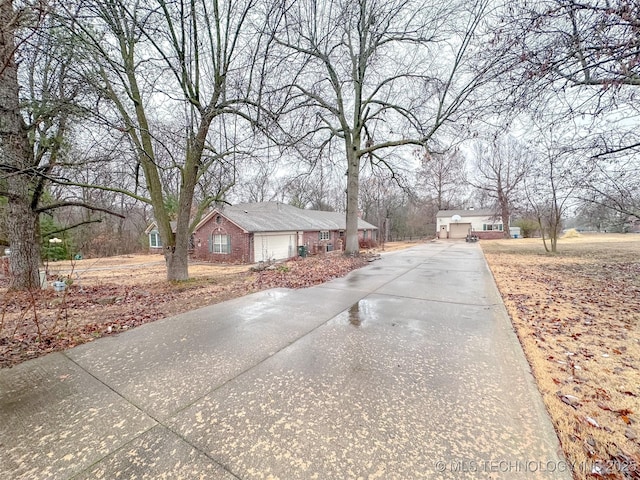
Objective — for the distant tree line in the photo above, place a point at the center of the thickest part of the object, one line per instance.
(114, 114)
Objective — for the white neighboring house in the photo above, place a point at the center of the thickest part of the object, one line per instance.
(460, 223)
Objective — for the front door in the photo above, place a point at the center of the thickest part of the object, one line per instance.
(443, 232)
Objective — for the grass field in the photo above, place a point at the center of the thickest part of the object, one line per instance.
(577, 314)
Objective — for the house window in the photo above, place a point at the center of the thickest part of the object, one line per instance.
(341, 233)
(490, 227)
(324, 235)
(218, 219)
(154, 240)
(220, 244)
(364, 235)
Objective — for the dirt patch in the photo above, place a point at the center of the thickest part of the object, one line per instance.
(577, 314)
(106, 296)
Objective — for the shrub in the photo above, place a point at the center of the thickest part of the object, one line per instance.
(571, 233)
(367, 243)
(528, 227)
(282, 268)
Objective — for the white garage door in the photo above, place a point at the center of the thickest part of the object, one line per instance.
(459, 230)
(273, 246)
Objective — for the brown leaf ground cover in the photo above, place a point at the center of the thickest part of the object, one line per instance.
(577, 314)
(108, 296)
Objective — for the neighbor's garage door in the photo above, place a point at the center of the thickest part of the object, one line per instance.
(273, 246)
(459, 230)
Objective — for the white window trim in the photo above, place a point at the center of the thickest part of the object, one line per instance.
(154, 240)
(492, 227)
(325, 235)
(221, 244)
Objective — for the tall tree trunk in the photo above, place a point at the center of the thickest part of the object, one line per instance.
(553, 236)
(177, 255)
(352, 247)
(24, 235)
(505, 214)
(16, 152)
(177, 263)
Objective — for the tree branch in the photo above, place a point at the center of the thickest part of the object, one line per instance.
(54, 206)
(97, 220)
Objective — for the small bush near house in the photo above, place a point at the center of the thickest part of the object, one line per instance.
(528, 227)
(367, 243)
(571, 233)
(282, 268)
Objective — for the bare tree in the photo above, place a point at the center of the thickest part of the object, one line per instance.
(384, 202)
(552, 185)
(18, 157)
(34, 123)
(159, 58)
(589, 43)
(501, 167)
(594, 216)
(258, 186)
(443, 177)
(100, 161)
(580, 63)
(615, 185)
(374, 75)
(315, 184)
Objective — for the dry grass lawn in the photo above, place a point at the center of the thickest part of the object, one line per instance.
(577, 314)
(134, 270)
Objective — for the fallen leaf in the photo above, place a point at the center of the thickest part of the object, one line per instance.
(570, 400)
(592, 422)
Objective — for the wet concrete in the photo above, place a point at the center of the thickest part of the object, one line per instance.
(407, 368)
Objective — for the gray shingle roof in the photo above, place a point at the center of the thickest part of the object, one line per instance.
(466, 213)
(279, 217)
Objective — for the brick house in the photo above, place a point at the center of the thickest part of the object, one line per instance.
(254, 232)
(484, 224)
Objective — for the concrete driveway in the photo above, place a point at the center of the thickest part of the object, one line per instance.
(405, 369)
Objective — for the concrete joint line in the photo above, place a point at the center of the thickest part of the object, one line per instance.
(159, 423)
(467, 304)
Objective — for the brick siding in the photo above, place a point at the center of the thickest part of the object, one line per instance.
(317, 246)
(241, 242)
(488, 234)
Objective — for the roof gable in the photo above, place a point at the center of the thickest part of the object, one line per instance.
(154, 226)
